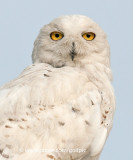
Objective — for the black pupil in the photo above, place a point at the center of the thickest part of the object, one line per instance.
(57, 35)
(88, 35)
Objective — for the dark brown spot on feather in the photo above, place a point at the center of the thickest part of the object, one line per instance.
(61, 123)
(1, 150)
(45, 75)
(41, 109)
(11, 119)
(7, 126)
(104, 116)
(87, 122)
(23, 119)
(75, 110)
(92, 102)
(29, 106)
(21, 127)
(28, 126)
(51, 156)
(102, 122)
(106, 112)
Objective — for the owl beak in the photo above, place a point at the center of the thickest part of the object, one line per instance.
(72, 53)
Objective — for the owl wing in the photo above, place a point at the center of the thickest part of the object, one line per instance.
(50, 108)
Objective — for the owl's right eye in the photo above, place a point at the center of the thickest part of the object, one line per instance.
(89, 36)
(55, 36)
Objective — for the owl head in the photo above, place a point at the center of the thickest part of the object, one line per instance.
(72, 40)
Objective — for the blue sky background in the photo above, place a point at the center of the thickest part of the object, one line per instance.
(20, 22)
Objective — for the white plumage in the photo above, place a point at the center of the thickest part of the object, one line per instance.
(64, 101)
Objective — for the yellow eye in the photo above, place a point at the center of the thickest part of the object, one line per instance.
(89, 36)
(56, 36)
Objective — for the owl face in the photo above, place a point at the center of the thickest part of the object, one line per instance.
(69, 41)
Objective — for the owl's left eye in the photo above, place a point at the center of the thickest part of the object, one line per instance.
(55, 36)
(89, 36)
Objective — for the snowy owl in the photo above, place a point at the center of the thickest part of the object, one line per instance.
(62, 106)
